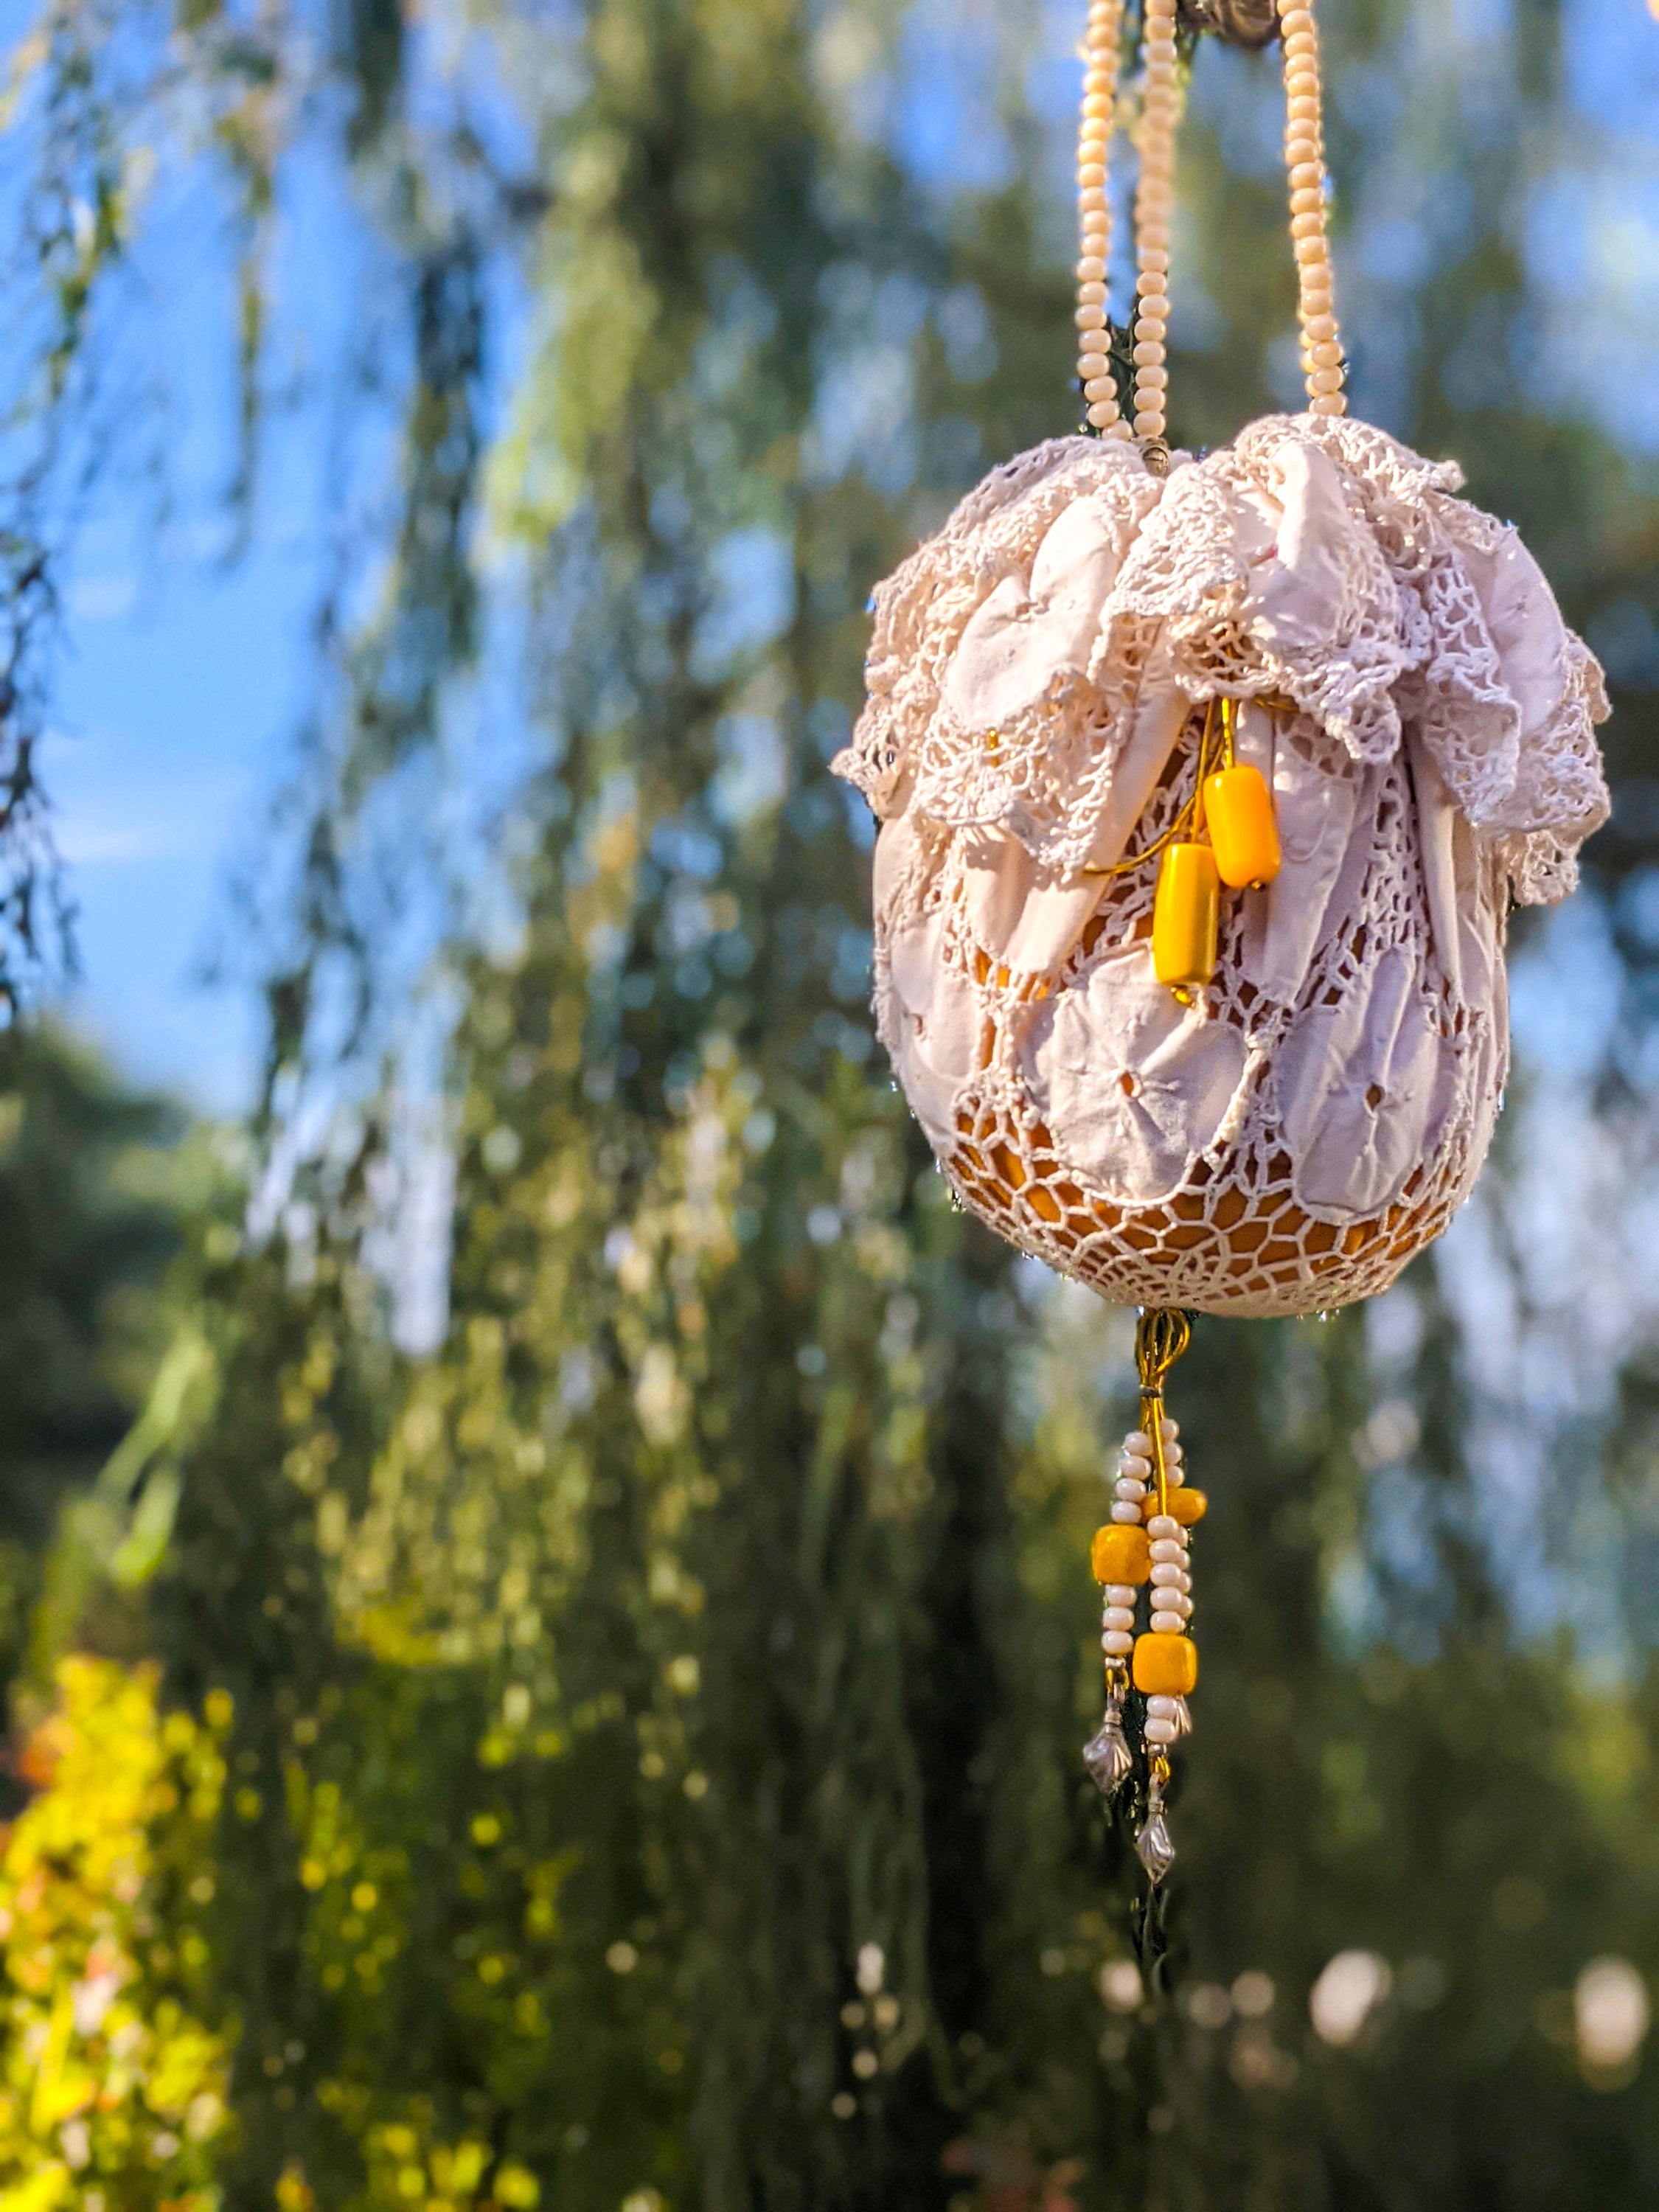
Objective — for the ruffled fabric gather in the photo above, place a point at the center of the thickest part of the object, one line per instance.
(1075, 600)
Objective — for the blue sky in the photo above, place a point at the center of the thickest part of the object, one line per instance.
(173, 706)
(188, 663)
(187, 671)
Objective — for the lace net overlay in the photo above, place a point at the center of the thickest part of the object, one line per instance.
(1037, 681)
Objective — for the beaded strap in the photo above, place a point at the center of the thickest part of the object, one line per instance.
(1304, 161)
(1304, 164)
(1154, 203)
(1094, 365)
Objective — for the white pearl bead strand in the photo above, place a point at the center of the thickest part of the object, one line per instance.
(1094, 365)
(1154, 205)
(1305, 163)
(1171, 1581)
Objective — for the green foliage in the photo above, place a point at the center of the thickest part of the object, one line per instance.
(88, 1193)
(92, 1180)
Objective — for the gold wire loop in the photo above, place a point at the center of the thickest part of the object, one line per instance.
(1215, 749)
(1162, 1335)
(1185, 823)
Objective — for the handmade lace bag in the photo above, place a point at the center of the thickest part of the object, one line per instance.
(1044, 676)
(1204, 787)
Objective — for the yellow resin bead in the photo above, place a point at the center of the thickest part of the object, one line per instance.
(1122, 1553)
(1186, 914)
(1187, 1505)
(1165, 1666)
(1239, 810)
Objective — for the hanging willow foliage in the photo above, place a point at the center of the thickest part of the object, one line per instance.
(662, 1581)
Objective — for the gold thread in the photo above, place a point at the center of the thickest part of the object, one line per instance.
(1183, 822)
(1212, 754)
(1162, 1335)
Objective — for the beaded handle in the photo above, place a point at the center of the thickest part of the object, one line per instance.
(1304, 162)
(1154, 204)
(1094, 366)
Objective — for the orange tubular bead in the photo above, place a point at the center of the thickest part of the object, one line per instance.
(1122, 1552)
(1187, 1505)
(1165, 1666)
(1185, 917)
(1239, 810)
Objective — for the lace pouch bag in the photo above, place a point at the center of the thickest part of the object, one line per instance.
(1097, 628)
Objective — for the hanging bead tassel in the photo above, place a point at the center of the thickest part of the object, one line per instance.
(1144, 1546)
(1122, 1563)
(1165, 1661)
(1094, 365)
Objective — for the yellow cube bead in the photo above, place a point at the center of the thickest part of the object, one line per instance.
(1165, 1666)
(1238, 808)
(1122, 1553)
(1186, 915)
(1188, 1504)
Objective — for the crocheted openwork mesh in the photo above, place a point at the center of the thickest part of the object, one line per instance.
(1037, 681)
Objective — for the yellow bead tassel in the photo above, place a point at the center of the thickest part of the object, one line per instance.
(1239, 809)
(1230, 836)
(1185, 917)
(1164, 1664)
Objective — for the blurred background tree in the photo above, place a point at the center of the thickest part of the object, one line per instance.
(629, 1530)
(91, 1185)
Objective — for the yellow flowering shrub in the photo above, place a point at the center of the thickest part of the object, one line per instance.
(408, 2167)
(113, 2089)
